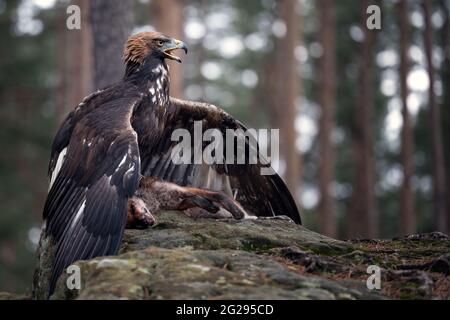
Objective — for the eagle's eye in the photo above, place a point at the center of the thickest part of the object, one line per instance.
(160, 43)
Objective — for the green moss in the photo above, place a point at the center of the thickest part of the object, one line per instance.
(327, 249)
(258, 245)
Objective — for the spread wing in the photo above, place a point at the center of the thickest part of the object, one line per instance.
(262, 195)
(95, 167)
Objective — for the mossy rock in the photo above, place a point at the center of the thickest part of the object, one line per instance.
(184, 258)
(184, 273)
(176, 230)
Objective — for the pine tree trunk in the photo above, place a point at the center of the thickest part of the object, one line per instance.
(74, 60)
(112, 23)
(363, 220)
(327, 222)
(407, 212)
(168, 19)
(435, 129)
(287, 89)
(445, 44)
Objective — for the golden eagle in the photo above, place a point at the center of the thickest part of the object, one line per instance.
(118, 139)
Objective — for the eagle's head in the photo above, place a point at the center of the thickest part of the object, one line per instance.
(145, 45)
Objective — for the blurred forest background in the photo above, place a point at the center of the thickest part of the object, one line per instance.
(364, 115)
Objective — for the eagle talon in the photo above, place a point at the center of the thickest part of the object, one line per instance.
(210, 204)
(231, 205)
(138, 216)
(200, 202)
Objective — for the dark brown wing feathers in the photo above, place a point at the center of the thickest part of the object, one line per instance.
(263, 195)
(85, 211)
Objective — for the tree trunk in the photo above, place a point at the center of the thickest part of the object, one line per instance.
(168, 19)
(112, 23)
(445, 39)
(327, 222)
(74, 60)
(363, 220)
(437, 152)
(287, 90)
(407, 213)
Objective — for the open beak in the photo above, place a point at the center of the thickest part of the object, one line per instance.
(172, 46)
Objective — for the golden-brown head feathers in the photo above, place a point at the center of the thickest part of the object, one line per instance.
(139, 45)
(143, 44)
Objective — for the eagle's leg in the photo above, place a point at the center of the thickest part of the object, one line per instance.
(138, 216)
(195, 202)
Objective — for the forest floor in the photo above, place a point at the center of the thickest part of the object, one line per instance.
(182, 258)
(413, 267)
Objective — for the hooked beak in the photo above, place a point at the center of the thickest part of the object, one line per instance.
(174, 45)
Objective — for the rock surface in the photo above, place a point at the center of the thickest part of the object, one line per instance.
(181, 258)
